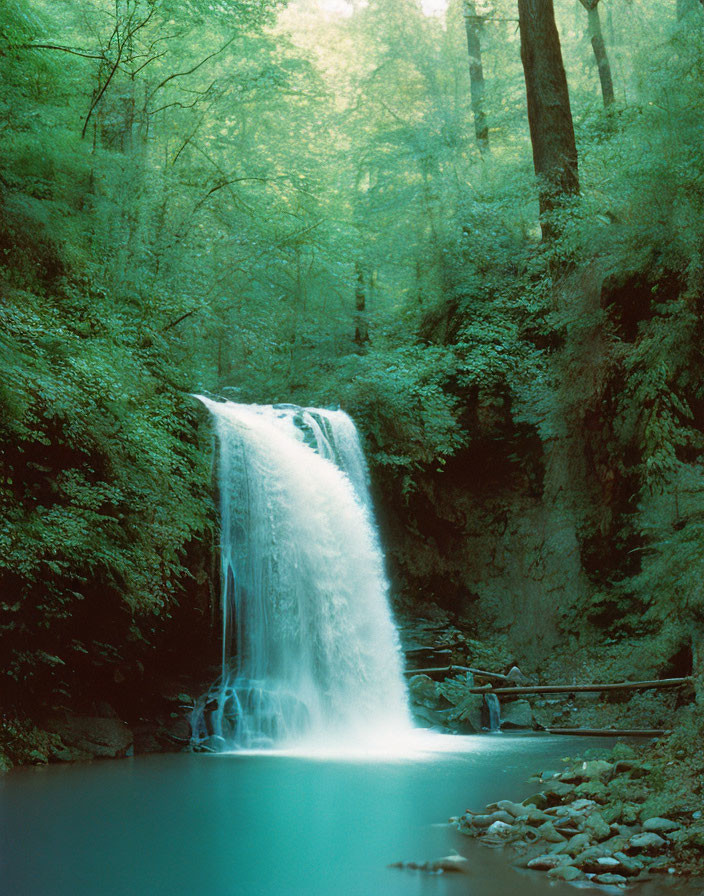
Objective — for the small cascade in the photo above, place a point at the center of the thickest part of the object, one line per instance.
(309, 647)
(493, 712)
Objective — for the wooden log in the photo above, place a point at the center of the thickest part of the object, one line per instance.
(585, 688)
(610, 732)
(434, 650)
(449, 670)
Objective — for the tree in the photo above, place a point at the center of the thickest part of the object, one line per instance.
(361, 325)
(685, 6)
(600, 54)
(476, 74)
(549, 113)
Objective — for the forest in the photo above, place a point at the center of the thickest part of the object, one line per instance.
(477, 227)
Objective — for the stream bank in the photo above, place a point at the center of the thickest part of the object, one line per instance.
(612, 817)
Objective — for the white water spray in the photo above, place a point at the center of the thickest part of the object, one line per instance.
(310, 651)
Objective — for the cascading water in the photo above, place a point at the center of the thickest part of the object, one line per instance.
(493, 712)
(310, 651)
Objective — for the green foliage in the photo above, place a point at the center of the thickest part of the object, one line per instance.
(193, 196)
(24, 744)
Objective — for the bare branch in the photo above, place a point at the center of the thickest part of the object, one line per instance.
(101, 92)
(195, 68)
(73, 51)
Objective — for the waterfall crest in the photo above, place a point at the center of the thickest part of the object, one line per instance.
(309, 647)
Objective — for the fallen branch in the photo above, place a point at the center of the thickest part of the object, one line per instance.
(448, 670)
(610, 732)
(586, 688)
(434, 650)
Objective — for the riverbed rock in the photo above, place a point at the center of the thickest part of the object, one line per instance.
(499, 829)
(597, 768)
(611, 813)
(467, 717)
(93, 735)
(628, 865)
(610, 879)
(548, 861)
(616, 844)
(658, 825)
(455, 864)
(539, 800)
(594, 790)
(485, 821)
(582, 805)
(557, 792)
(70, 754)
(588, 859)
(577, 844)
(606, 863)
(647, 843)
(596, 827)
(517, 714)
(428, 717)
(514, 809)
(549, 833)
(629, 813)
(565, 872)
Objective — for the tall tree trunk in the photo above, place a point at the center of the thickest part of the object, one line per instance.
(602, 57)
(476, 75)
(361, 324)
(549, 114)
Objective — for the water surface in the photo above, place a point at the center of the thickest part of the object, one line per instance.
(263, 825)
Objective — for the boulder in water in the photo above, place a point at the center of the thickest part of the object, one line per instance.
(92, 735)
(565, 872)
(468, 716)
(546, 862)
(454, 864)
(518, 714)
(423, 691)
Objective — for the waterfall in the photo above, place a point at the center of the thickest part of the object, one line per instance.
(493, 712)
(309, 647)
